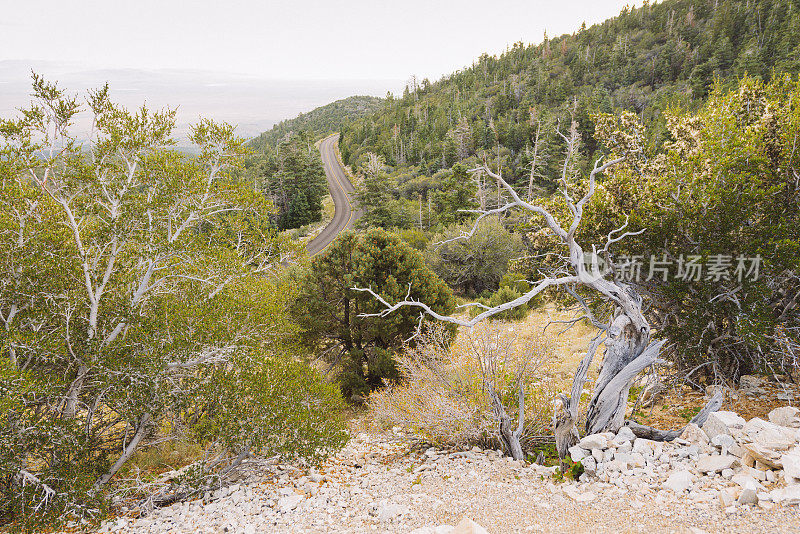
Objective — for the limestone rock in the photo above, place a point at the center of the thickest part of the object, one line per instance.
(468, 526)
(746, 481)
(625, 434)
(389, 511)
(757, 474)
(788, 416)
(791, 466)
(762, 454)
(716, 463)
(593, 441)
(748, 496)
(644, 446)
(693, 434)
(679, 481)
(790, 495)
(769, 434)
(577, 453)
(721, 423)
(289, 503)
(589, 465)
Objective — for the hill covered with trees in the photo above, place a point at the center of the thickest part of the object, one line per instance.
(322, 120)
(644, 60)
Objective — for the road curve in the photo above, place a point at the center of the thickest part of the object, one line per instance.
(341, 191)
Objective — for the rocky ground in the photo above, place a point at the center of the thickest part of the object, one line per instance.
(730, 476)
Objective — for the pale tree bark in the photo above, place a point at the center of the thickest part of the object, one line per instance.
(626, 336)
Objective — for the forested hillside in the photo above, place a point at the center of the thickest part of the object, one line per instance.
(290, 174)
(286, 166)
(325, 119)
(643, 60)
(647, 85)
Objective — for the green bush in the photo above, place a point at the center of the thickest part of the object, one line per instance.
(329, 311)
(474, 264)
(724, 190)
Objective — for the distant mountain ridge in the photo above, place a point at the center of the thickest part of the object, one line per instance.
(322, 120)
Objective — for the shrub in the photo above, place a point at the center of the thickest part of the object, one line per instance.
(478, 263)
(329, 311)
(512, 286)
(724, 189)
(444, 395)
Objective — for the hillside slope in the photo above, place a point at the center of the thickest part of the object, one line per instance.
(645, 60)
(322, 120)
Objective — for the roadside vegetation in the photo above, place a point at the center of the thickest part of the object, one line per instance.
(158, 314)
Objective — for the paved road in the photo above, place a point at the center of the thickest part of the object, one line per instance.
(341, 190)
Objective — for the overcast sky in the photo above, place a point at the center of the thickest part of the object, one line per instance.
(292, 39)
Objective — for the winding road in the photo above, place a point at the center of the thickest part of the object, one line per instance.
(341, 191)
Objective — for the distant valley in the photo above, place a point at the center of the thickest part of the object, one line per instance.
(253, 104)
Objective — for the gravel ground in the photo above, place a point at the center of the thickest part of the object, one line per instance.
(379, 483)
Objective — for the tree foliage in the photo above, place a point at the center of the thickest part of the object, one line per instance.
(129, 303)
(641, 60)
(331, 312)
(291, 174)
(724, 192)
(319, 121)
(478, 264)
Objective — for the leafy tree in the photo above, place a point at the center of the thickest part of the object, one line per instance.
(725, 193)
(330, 312)
(643, 60)
(130, 307)
(292, 175)
(319, 121)
(374, 194)
(455, 196)
(479, 263)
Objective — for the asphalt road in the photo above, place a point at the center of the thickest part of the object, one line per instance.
(341, 191)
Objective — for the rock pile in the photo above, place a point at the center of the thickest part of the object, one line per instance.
(730, 476)
(737, 462)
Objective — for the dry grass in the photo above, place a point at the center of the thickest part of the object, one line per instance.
(444, 397)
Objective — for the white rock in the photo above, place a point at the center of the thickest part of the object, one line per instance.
(715, 463)
(727, 473)
(788, 416)
(625, 434)
(791, 466)
(289, 503)
(790, 495)
(721, 423)
(679, 481)
(747, 482)
(625, 447)
(752, 472)
(593, 441)
(694, 434)
(723, 441)
(389, 511)
(468, 526)
(644, 446)
(589, 465)
(725, 498)
(577, 453)
(769, 435)
(748, 496)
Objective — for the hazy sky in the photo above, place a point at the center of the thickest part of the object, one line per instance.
(304, 39)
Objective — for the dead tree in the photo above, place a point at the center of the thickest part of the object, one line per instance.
(626, 334)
